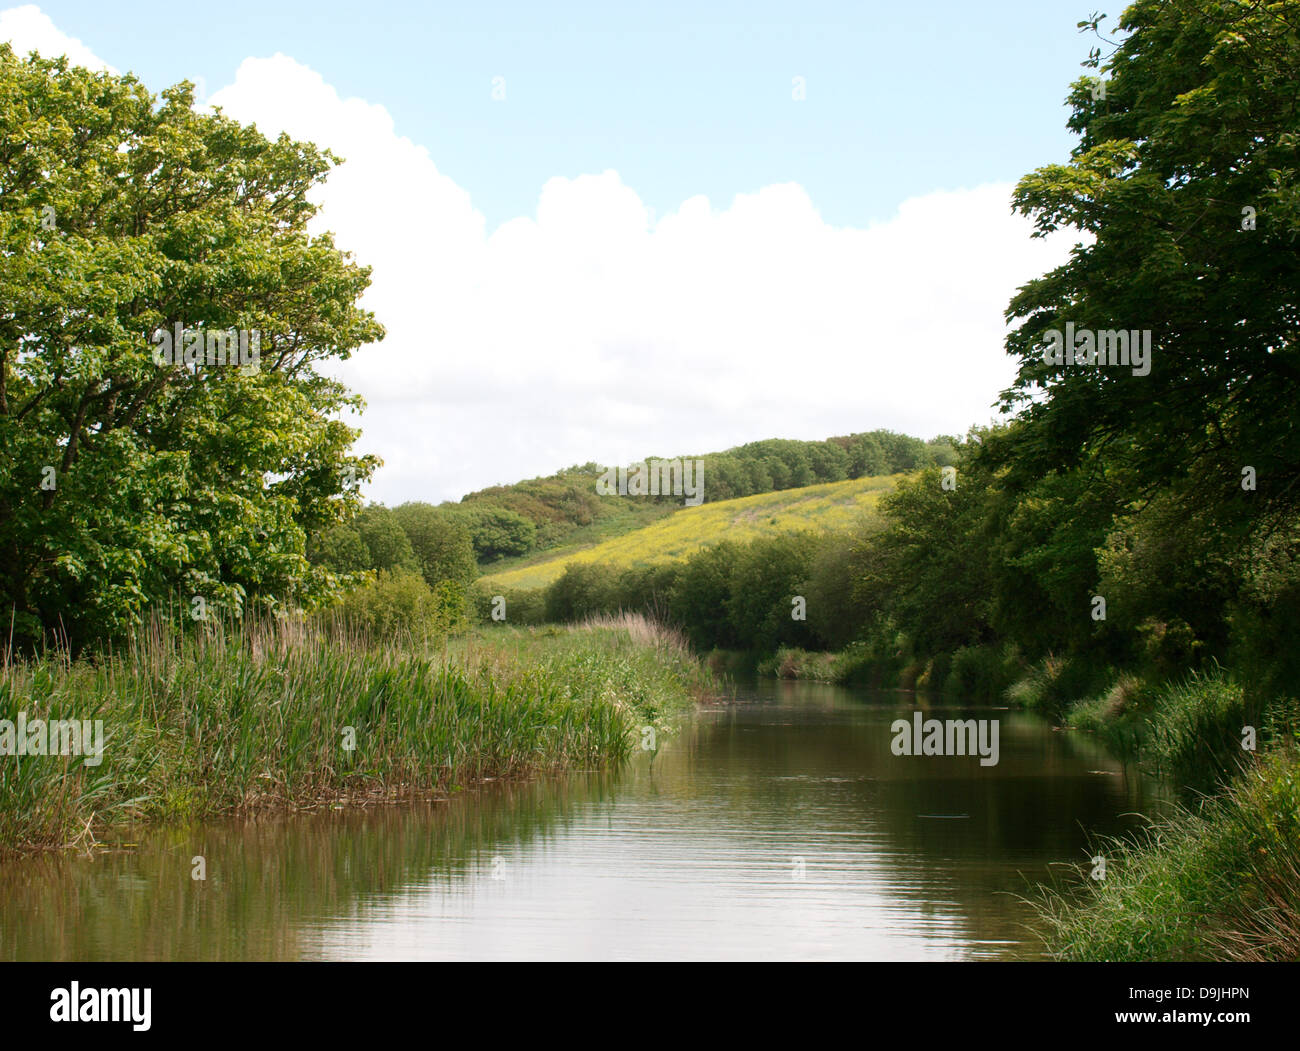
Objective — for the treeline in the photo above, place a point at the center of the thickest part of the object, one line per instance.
(728, 596)
(543, 513)
(412, 564)
(1049, 592)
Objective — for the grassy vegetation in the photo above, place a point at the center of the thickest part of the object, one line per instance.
(850, 665)
(197, 725)
(1217, 880)
(834, 505)
(1215, 883)
(1189, 730)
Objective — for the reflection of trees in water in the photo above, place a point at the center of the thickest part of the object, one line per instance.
(809, 772)
(267, 877)
(837, 784)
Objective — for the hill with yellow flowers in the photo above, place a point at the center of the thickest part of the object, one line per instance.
(831, 505)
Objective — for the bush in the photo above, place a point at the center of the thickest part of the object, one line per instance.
(584, 589)
(400, 603)
(981, 673)
(520, 607)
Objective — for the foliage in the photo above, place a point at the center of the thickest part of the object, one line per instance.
(496, 532)
(207, 723)
(1198, 124)
(440, 542)
(399, 603)
(387, 545)
(833, 506)
(1213, 883)
(125, 213)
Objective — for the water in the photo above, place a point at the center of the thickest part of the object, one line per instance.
(778, 825)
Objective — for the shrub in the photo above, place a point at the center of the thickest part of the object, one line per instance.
(398, 603)
(521, 607)
(583, 590)
(981, 673)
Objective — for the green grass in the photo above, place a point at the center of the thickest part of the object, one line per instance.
(1216, 883)
(848, 666)
(1189, 731)
(198, 725)
(833, 505)
(627, 516)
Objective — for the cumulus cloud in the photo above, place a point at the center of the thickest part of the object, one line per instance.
(29, 29)
(593, 330)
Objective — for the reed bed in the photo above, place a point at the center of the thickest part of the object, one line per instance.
(276, 715)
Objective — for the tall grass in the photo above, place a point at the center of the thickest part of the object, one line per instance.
(1190, 731)
(1054, 683)
(1195, 730)
(851, 665)
(1216, 883)
(1119, 716)
(263, 716)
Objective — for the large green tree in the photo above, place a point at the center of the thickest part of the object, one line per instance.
(1184, 187)
(441, 542)
(124, 481)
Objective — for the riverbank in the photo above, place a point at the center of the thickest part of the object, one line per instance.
(774, 824)
(1214, 882)
(274, 716)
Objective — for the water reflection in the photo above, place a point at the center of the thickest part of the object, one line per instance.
(779, 825)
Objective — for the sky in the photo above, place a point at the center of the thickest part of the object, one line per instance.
(605, 232)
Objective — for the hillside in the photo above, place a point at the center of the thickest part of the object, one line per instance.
(832, 505)
(532, 521)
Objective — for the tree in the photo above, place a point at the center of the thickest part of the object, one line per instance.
(125, 481)
(496, 532)
(585, 588)
(768, 574)
(929, 570)
(1184, 182)
(866, 458)
(387, 546)
(340, 549)
(440, 541)
(699, 600)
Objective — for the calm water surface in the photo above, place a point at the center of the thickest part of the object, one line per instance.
(778, 825)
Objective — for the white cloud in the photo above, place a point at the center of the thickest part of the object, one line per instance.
(29, 29)
(594, 331)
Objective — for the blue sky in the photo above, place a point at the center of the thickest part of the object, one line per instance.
(679, 98)
(648, 247)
